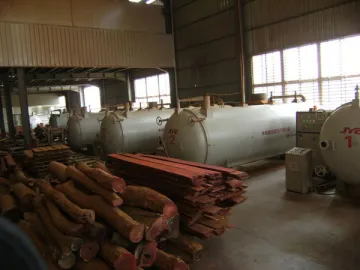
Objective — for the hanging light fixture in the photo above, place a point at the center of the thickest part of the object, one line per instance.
(150, 1)
(135, 1)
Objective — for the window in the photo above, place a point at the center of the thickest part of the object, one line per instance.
(92, 98)
(326, 73)
(152, 89)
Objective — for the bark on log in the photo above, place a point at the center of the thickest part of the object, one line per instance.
(89, 250)
(118, 257)
(8, 208)
(24, 194)
(104, 179)
(110, 197)
(165, 261)
(40, 245)
(189, 246)
(66, 244)
(119, 220)
(95, 264)
(100, 165)
(96, 231)
(156, 225)
(57, 170)
(19, 176)
(149, 199)
(61, 222)
(78, 214)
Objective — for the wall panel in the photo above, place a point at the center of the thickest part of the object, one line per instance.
(40, 45)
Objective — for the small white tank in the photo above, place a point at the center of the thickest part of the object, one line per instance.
(59, 120)
(230, 136)
(84, 129)
(340, 142)
(132, 132)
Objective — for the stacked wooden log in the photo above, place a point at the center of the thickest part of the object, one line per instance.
(204, 194)
(92, 220)
(39, 158)
(7, 164)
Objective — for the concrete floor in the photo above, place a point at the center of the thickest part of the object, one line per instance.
(275, 229)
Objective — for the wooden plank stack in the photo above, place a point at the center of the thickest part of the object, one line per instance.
(204, 194)
(92, 220)
(39, 158)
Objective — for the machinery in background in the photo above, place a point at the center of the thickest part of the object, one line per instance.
(299, 170)
(340, 142)
(132, 131)
(83, 129)
(43, 136)
(58, 119)
(308, 127)
(231, 136)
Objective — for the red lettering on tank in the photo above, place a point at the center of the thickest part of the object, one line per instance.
(348, 130)
(276, 131)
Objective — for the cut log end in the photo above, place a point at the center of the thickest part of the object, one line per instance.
(67, 261)
(125, 262)
(148, 254)
(118, 185)
(76, 243)
(89, 250)
(137, 233)
(170, 210)
(117, 202)
(157, 228)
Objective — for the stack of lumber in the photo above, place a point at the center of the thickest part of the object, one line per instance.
(92, 220)
(39, 158)
(204, 194)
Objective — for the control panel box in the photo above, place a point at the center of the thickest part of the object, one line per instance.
(299, 170)
(311, 122)
(311, 140)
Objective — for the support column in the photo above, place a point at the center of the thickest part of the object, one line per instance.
(130, 87)
(24, 106)
(9, 111)
(173, 90)
(2, 120)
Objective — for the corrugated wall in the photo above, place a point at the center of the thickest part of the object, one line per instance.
(206, 47)
(83, 33)
(278, 24)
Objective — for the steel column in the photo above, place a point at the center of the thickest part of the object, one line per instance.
(9, 111)
(24, 107)
(2, 120)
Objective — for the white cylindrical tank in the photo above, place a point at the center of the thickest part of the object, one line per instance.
(231, 136)
(132, 132)
(340, 142)
(84, 130)
(59, 120)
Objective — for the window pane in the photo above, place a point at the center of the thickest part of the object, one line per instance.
(140, 88)
(266, 68)
(92, 98)
(309, 90)
(165, 99)
(154, 99)
(330, 58)
(338, 92)
(276, 90)
(152, 85)
(301, 63)
(164, 84)
(350, 55)
(138, 101)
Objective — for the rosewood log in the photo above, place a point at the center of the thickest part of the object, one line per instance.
(8, 208)
(61, 222)
(89, 250)
(123, 223)
(27, 228)
(110, 197)
(166, 261)
(58, 170)
(95, 264)
(19, 176)
(96, 231)
(118, 257)
(149, 199)
(189, 246)
(78, 214)
(100, 165)
(146, 254)
(24, 194)
(104, 179)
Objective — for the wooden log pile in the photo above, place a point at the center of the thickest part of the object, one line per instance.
(204, 194)
(82, 223)
(39, 158)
